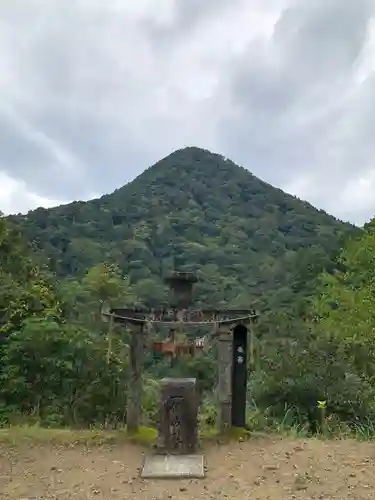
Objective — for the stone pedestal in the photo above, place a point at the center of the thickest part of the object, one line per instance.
(178, 416)
(133, 412)
(224, 386)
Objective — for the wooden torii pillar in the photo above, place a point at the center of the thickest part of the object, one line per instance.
(231, 332)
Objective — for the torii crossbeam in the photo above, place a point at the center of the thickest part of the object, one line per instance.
(174, 317)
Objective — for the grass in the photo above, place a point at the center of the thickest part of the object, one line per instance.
(146, 436)
(365, 431)
(210, 433)
(35, 434)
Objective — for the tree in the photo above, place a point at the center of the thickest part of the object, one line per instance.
(25, 290)
(59, 375)
(104, 283)
(345, 306)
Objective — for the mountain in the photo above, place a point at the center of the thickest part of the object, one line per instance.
(198, 211)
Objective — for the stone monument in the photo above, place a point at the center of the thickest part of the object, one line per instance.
(178, 416)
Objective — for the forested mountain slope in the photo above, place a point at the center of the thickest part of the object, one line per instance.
(196, 211)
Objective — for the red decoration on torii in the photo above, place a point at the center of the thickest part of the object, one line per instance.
(175, 349)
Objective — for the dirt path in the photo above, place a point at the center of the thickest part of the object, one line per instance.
(256, 470)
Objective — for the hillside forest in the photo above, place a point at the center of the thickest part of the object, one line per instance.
(251, 245)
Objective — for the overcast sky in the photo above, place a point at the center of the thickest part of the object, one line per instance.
(92, 92)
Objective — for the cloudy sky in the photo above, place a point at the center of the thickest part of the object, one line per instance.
(92, 92)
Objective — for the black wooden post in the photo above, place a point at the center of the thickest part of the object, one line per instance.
(239, 376)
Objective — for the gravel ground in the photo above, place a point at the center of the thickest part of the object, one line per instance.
(256, 469)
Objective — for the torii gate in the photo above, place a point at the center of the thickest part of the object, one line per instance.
(231, 332)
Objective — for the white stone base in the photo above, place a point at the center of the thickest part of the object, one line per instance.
(173, 466)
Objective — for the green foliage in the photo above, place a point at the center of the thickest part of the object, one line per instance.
(345, 305)
(53, 370)
(249, 242)
(150, 403)
(25, 290)
(104, 283)
(306, 370)
(332, 357)
(59, 375)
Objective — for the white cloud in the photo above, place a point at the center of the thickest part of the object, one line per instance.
(359, 192)
(93, 92)
(29, 133)
(15, 197)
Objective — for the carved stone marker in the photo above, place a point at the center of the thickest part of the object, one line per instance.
(178, 433)
(178, 416)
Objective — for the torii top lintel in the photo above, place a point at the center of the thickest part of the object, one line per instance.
(181, 289)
